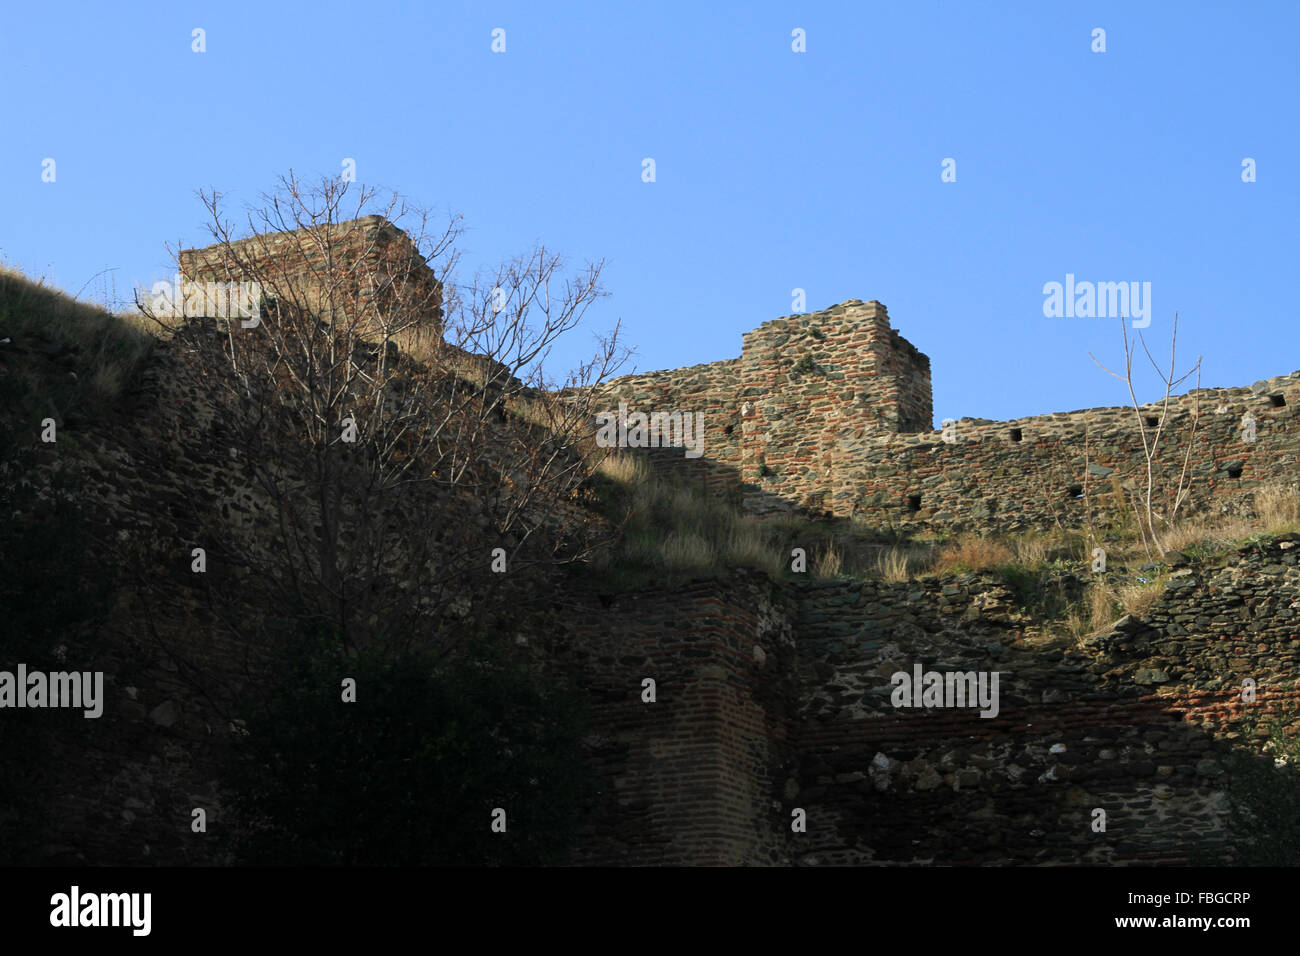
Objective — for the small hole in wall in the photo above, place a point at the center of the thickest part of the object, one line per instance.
(913, 503)
(1074, 491)
(1277, 401)
(729, 429)
(1016, 434)
(1234, 471)
(1152, 421)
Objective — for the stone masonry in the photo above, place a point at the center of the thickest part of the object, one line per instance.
(830, 412)
(365, 263)
(774, 697)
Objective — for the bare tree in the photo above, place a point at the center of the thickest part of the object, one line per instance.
(401, 431)
(1147, 514)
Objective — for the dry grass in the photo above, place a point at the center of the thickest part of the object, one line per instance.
(1030, 551)
(1104, 610)
(553, 420)
(1278, 506)
(973, 553)
(1207, 533)
(1136, 599)
(1188, 534)
(1105, 606)
(688, 552)
(533, 412)
(899, 564)
(625, 469)
(684, 518)
(159, 327)
(829, 562)
(1079, 625)
(683, 527)
(1277, 509)
(680, 527)
(100, 353)
(749, 545)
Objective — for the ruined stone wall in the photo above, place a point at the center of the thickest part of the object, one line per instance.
(810, 378)
(907, 370)
(710, 391)
(1135, 721)
(776, 418)
(157, 482)
(831, 412)
(1033, 472)
(366, 264)
(834, 416)
(771, 698)
(160, 478)
(689, 777)
(777, 699)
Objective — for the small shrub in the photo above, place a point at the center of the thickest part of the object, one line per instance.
(1024, 582)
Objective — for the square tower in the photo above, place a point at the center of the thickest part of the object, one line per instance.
(811, 384)
(372, 269)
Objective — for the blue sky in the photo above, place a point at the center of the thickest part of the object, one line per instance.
(775, 170)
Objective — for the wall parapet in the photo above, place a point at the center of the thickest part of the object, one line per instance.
(831, 413)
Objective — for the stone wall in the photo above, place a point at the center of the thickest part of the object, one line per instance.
(1135, 721)
(156, 480)
(808, 377)
(772, 698)
(366, 264)
(776, 418)
(831, 412)
(834, 416)
(1033, 472)
(689, 777)
(710, 391)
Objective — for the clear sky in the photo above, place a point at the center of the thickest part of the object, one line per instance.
(775, 169)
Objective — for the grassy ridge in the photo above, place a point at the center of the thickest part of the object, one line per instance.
(64, 358)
